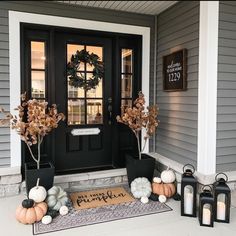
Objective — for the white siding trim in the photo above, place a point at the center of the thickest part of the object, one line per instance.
(207, 86)
(15, 18)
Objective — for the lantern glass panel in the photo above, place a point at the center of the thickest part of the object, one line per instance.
(206, 214)
(188, 199)
(221, 206)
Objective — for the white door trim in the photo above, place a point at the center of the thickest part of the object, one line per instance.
(15, 18)
(207, 86)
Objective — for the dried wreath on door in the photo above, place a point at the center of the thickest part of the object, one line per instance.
(78, 79)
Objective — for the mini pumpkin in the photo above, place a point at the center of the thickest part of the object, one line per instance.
(141, 187)
(31, 215)
(56, 198)
(168, 176)
(167, 190)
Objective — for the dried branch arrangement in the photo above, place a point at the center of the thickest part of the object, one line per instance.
(35, 120)
(138, 118)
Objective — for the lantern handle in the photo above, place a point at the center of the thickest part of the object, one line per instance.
(190, 166)
(205, 186)
(226, 177)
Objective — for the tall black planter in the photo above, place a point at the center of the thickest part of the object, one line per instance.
(140, 168)
(45, 173)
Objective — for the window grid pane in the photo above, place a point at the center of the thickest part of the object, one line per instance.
(38, 69)
(91, 111)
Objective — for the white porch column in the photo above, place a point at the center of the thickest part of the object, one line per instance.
(207, 86)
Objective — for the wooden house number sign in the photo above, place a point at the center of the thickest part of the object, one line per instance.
(175, 71)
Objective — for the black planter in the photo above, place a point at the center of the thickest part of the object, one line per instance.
(140, 168)
(45, 174)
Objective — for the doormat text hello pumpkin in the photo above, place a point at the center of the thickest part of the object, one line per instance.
(100, 197)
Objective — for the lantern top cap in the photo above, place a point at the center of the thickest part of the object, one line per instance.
(190, 170)
(207, 188)
(221, 180)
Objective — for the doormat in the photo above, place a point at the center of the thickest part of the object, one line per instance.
(77, 218)
(100, 197)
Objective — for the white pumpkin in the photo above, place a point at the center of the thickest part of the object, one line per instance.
(157, 180)
(144, 200)
(38, 193)
(56, 198)
(46, 220)
(141, 187)
(162, 198)
(168, 176)
(64, 210)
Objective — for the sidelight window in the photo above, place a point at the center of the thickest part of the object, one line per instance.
(84, 107)
(126, 78)
(38, 69)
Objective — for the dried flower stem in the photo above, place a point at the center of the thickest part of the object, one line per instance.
(136, 118)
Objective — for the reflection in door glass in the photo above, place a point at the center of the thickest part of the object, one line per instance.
(88, 108)
(94, 111)
(76, 112)
(127, 60)
(126, 86)
(38, 69)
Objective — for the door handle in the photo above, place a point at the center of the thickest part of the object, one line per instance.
(109, 108)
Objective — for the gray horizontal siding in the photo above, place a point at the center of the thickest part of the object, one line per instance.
(57, 9)
(4, 87)
(226, 97)
(176, 137)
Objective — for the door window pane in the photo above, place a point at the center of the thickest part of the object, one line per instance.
(76, 112)
(38, 84)
(94, 111)
(38, 55)
(126, 86)
(90, 110)
(126, 60)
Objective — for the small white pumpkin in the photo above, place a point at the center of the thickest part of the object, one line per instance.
(144, 200)
(46, 220)
(157, 180)
(38, 193)
(141, 187)
(168, 176)
(64, 210)
(56, 198)
(162, 198)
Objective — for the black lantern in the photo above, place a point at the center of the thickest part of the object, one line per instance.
(188, 192)
(222, 196)
(206, 207)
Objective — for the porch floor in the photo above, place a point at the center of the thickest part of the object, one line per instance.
(168, 224)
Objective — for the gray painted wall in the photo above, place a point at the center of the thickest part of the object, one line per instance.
(52, 8)
(176, 136)
(226, 102)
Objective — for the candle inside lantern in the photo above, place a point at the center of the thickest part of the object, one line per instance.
(206, 216)
(188, 202)
(221, 211)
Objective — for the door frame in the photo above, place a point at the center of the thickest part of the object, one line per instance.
(15, 18)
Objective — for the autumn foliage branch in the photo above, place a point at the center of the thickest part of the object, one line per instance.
(35, 120)
(137, 118)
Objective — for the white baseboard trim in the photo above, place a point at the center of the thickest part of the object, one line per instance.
(178, 168)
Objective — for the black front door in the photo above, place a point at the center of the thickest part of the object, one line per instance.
(90, 138)
(84, 140)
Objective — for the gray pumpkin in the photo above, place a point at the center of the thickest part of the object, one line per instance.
(56, 198)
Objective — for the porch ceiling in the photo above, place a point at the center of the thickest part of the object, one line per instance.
(142, 7)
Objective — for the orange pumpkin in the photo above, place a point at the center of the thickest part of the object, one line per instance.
(167, 190)
(32, 214)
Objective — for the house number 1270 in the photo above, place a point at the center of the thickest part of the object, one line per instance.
(174, 77)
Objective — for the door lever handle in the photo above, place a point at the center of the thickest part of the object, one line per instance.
(109, 108)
